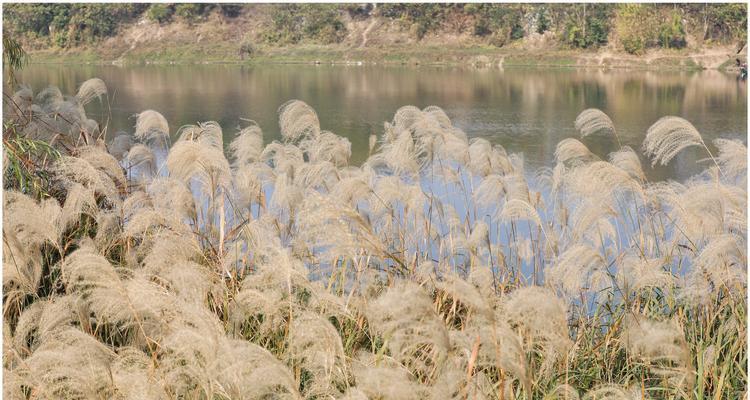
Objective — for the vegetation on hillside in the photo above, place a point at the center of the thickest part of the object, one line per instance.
(154, 266)
(292, 23)
(631, 27)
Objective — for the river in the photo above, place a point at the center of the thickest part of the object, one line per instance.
(527, 110)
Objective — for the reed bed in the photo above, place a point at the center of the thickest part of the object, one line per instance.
(171, 265)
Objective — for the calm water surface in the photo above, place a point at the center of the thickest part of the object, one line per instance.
(526, 110)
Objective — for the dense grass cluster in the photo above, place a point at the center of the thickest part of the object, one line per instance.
(154, 266)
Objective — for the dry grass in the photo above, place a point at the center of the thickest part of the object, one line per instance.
(438, 269)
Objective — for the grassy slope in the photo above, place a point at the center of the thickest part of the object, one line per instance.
(218, 40)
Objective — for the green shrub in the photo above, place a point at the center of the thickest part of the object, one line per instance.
(672, 33)
(482, 28)
(60, 20)
(643, 26)
(292, 23)
(285, 23)
(90, 22)
(725, 22)
(159, 12)
(637, 27)
(543, 23)
(573, 35)
(190, 11)
(322, 23)
(36, 18)
(68, 24)
(587, 27)
(503, 22)
(60, 39)
(516, 32)
(422, 18)
(598, 32)
(633, 45)
(246, 50)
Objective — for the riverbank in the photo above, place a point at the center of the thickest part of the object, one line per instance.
(257, 35)
(475, 56)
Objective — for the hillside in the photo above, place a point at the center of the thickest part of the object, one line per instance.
(683, 36)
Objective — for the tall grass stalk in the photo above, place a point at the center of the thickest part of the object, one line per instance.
(438, 269)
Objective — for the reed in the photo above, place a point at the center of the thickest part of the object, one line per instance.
(438, 269)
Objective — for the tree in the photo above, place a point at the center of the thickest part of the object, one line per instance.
(587, 25)
(503, 22)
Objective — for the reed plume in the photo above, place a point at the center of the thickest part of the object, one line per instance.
(298, 120)
(578, 270)
(627, 160)
(440, 268)
(91, 89)
(668, 136)
(151, 127)
(247, 146)
(572, 149)
(732, 157)
(662, 347)
(592, 121)
(413, 332)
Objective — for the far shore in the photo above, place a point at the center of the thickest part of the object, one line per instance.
(473, 57)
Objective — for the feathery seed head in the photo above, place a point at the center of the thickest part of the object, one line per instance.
(152, 127)
(91, 89)
(667, 137)
(298, 120)
(592, 121)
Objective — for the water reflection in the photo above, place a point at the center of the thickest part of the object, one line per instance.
(526, 110)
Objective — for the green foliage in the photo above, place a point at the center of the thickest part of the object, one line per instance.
(543, 22)
(190, 11)
(587, 25)
(292, 23)
(635, 27)
(285, 22)
(643, 26)
(28, 162)
(725, 22)
(672, 33)
(98, 20)
(246, 50)
(633, 45)
(322, 23)
(423, 18)
(70, 24)
(36, 18)
(14, 56)
(598, 32)
(502, 22)
(159, 12)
